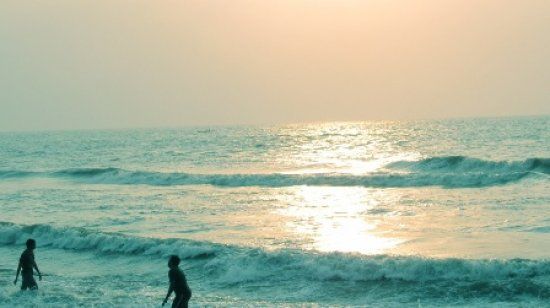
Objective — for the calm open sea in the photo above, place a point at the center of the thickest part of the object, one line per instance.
(430, 213)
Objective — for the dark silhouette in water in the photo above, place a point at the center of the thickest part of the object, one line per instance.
(178, 284)
(26, 265)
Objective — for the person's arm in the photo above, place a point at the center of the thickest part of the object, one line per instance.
(37, 270)
(170, 289)
(18, 271)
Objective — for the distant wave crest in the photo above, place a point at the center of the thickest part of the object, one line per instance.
(469, 164)
(446, 171)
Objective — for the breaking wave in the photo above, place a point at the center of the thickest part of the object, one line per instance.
(229, 266)
(468, 164)
(447, 171)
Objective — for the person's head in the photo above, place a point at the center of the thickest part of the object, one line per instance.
(31, 244)
(174, 261)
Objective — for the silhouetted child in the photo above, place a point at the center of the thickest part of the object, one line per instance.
(178, 284)
(26, 264)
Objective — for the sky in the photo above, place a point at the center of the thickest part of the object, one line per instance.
(68, 64)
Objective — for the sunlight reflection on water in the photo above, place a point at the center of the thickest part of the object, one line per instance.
(334, 219)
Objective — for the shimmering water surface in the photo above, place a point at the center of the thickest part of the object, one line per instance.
(453, 212)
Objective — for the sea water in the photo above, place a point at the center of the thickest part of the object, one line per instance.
(414, 213)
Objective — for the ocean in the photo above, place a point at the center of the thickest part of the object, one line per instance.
(386, 213)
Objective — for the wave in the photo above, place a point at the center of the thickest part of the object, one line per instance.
(469, 164)
(448, 172)
(81, 239)
(7, 174)
(227, 266)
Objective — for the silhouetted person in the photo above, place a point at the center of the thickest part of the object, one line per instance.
(26, 264)
(178, 284)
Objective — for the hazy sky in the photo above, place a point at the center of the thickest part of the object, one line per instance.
(112, 63)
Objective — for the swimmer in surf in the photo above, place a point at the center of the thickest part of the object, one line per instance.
(25, 267)
(178, 285)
